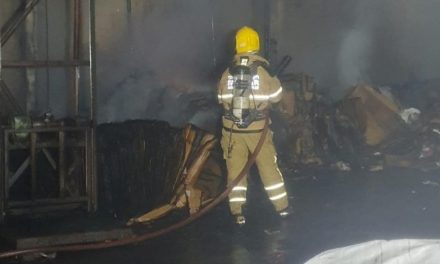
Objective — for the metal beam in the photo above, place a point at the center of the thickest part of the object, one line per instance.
(91, 158)
(7, 30)
(47, 129)
(44, 64)
(73, 104)
(33, 166)
(20, 171)
(2, 177)
(26, 164)
(62, 163)
(7, 100)
(49, 158)
(16, 19)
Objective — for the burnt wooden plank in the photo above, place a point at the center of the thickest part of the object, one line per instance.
(67, 238)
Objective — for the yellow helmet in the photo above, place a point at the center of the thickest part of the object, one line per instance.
(247, 40)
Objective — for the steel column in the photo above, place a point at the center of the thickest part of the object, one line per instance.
(93, 102)
(75, 72)
(6, 169)
(62, 162)
(2, 178)
(33, 165)
(8, 99)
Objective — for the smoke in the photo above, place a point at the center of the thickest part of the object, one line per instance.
(152, 58)
(345, 42)
(354, 57)
(157, 56)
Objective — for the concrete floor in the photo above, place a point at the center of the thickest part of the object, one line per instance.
(331, 210)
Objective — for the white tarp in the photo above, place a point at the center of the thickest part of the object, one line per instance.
(405, 251)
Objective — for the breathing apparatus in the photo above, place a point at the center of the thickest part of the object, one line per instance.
(243, 80)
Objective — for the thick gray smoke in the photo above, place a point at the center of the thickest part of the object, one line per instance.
(150, 59)
(354, 57)
(345, 42)
(355, 50)
(152, 55)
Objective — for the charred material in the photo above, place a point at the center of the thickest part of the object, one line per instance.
(369, 128)
(147, 164)
(302, 116)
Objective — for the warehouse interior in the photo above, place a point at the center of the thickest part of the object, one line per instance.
(110, 132)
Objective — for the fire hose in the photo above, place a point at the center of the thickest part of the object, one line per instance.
(157, 233)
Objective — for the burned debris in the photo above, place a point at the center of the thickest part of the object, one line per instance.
(148, 165)
(368, 128)
(155, 168)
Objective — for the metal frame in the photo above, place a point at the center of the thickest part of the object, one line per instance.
(16, 19)
(62, 144)
(75, 63)
(7, 31)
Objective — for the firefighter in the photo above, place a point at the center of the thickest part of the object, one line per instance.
(246, 90)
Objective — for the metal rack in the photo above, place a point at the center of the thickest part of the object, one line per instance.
(54, 141)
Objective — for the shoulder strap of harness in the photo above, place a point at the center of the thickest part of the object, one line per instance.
(254, 66)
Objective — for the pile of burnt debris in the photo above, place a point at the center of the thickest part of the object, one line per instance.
(369, 128)
(144, 165)
(148, 168)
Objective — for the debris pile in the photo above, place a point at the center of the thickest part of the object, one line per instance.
(148, 168)
(369, 128)
(144, 165)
